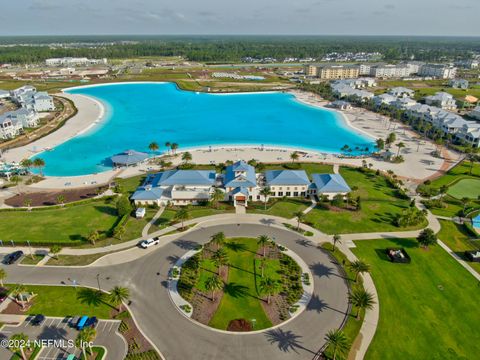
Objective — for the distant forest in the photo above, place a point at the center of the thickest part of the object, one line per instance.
(234, 48)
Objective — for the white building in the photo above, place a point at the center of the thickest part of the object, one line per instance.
(43, 102)
(289, 183)
(9, 127)
(458, 84)
(384, 99)
(442, 100)
(28, 118)
(440, 71)
(390, 71)
(71, 61)
(401, 92)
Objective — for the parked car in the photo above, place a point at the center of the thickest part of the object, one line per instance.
(81, 323)
(91, 322)
(149, 242)
(13, 257)
(38, 320)
(74, 320)
(71, 357)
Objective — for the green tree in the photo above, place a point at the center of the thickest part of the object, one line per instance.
(390, 139)
(337, 343)
(28, 203)
(153, 146)
(26, 163)
(93, 237)
(217, 196)
(218, 239)
(265, 192)
(336, 239)
(168, 146)
(465, 201)
(269, 287)
(123, 205)
(359, 267)
(60, 199)
(118, 295)
(55, 250)
(400, 146)
(18, 344)
(220, 258)
(119, 231)
(182, 215)
(300, 216)
(84, 338)
(39, 163)
(213, 284)
(426, 238)
(263, 241)
(361, 299)
(186, 157)
(294, 156)
(17, 293)
(15, 179)
(380, 144)
(174, 147)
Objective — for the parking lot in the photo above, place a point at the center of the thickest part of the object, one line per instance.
(61, 330)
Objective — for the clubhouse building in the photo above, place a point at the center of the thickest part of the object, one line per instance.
(240, 184)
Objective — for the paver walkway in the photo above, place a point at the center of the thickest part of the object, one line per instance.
(151, 222)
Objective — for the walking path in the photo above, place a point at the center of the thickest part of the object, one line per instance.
(151, 222)
(312, 206)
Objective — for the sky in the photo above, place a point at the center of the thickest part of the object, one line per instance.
(270, 17)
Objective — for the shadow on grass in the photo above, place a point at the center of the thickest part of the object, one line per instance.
(286, 341)
(92, 297)
(236, 247)
(236, 290)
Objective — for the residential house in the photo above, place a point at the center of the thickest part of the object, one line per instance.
(28, 118)
(442, 100)
(9, 127)
(458, 84)
(475, 113)
(178, 187)
(341, 105)
(4, 94)
(401, 92)
(329, 185)
(403, 103)
(384, 99)
(240, 183)
(288, 183)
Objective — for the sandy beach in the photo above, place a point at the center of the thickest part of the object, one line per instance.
(419, 163)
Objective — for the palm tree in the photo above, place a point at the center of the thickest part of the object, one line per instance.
(3, 276)
(17, 292)
(93, 237)
(16, 180)
(359, 267)
(60, 200)
(337, 343)
(361, 299)
(294, 156)
(40, 164)
(119, 231)
(262, 241)
(17, 343)
(153, 146)
(28, 203)
(118, 295)
(300, 216)
(186, 157)
(55, 250)
(27, 164)
(217, 195)
(220, 258)
(269, 287)
(168, 145)
(265, 192)
(213, 284)
(465, 201)
(336, 239)
(218, 239)
(182, 215)
(174, 147)
(400, 145)
(380, 144)
(86, 336)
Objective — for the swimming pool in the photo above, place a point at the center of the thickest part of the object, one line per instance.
(138, 113)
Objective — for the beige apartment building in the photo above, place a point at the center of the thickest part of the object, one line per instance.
(332, 72)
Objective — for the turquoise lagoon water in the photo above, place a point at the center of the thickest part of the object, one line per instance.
(137, 114)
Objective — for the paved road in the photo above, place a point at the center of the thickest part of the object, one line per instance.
(179, 338)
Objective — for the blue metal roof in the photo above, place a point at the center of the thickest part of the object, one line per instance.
(232, 179)
(129, 157)
(182, 177)
(330, 183)
(286, 177)
(240, 190)
(147, 193)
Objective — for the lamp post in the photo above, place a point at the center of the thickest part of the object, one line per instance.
(30, 248)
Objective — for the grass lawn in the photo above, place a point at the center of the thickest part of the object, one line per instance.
(379, 207)
(27, 259)
(243, 301)
(428, 308)
(283, 208)
(469, 188)
(66, 302)
(75, 260)
(453, 207)
(134, 226)
(459, 239)
(70, 225)
(460, 171)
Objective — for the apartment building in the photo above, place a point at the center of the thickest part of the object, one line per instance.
(439, 71)
(332, 72)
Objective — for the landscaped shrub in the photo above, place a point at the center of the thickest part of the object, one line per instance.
(147, 355)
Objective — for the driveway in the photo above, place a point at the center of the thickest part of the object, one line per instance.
(177, 337)
(60, 329)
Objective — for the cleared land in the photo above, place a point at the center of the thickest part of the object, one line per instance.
(429, 308)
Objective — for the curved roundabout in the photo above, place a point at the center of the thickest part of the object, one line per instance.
(178, 337)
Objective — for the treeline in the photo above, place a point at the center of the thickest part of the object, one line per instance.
(233, 49)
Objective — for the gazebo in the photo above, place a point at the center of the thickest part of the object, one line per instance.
(128, 158)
